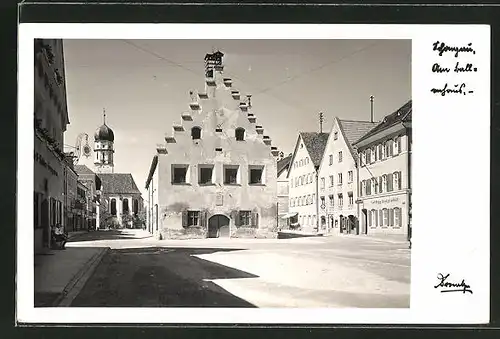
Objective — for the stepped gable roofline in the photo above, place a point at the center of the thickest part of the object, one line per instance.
(284, 164)
(352, 130)
(315, 144)
(402, 114)
(118, 183)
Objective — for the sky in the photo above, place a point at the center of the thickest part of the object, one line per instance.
(144, 87)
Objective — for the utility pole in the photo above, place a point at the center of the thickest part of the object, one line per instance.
(321, 119)
(371, 107)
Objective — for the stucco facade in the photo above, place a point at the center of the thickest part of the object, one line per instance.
(303, 179)
(283, 193)
(216, 173)
(50, 121)
(338, 189)
(384, 175)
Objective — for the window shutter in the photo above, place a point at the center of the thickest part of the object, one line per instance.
(255, 219)
(184, 218)
(389, 182)
(399, 180)
(203, 219)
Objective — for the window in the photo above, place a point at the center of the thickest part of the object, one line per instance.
(349, 176)
(390, 146)
(335, 135)
(379, 151)
(240, 134)
(218, 149)
(397, 145)
(196, 133)
(218, 130)
(340, 156)
(339, 181)
(383, 151)
(193, 218)
(385, 217)
(180, 174)
(397, 217)
(231, 174)
(332, 202)
(380, 185)
(368, 156)
(368, 187)
(113, 207)
(206, 173)
(390, 182)
(384, 183)
(381, 218)
(391, 217)
(245, 218)
(322, 183)
(331, 180)
(374, 154)
(351, 198)
(125, 206)
(373, 183)
(363, 188)
(322, 201)
(341, 199)
(256, 174)
(136, 206)
(330, 159)
(374, 218)
(397, 180)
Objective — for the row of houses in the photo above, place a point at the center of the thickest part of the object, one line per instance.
(354, 179)
(218, 174)
(72, 196)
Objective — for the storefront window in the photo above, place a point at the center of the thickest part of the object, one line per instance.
(374, 218)
(385, 217)
(397, 217)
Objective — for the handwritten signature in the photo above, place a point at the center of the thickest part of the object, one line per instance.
(452, 287)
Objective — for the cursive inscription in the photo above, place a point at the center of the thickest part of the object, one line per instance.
(455, 89)
(447, 286)
(442, 48)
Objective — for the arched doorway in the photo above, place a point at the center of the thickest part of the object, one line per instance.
(352, 224)
(341, 222)
(218, 226)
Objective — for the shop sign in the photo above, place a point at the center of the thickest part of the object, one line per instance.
(39, 158)
(385, 201)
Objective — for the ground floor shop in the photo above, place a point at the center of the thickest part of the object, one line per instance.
(48, 194)
(388, 214)
(340, 221)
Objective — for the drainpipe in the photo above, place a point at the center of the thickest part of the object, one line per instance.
(317, 200)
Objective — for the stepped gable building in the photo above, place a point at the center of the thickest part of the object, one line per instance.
(50, 122)
(385, 175)
(215, 175)
(303, 180)
(338, 186)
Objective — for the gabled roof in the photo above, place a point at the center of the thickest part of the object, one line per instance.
(402, 114)
(353, 130)
(284, 164)
(118, 183)
(315, 144)
(82, 169)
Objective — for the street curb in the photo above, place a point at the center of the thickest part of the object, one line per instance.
(76, 284)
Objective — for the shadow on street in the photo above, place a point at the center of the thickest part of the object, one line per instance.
(160, 277)
(103, 235)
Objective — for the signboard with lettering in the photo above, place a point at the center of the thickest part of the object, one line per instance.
(39, 158)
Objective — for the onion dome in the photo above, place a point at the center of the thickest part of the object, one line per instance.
(104, 133)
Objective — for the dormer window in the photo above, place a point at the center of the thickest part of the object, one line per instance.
(240, 134)
(196, 133)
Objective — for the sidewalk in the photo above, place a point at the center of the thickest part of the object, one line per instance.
(58, 272)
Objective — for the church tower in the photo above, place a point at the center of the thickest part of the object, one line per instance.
(104, 148)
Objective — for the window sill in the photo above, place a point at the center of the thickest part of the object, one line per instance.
(228, 184)
(181, 184)
(206, 184)
(258, 184)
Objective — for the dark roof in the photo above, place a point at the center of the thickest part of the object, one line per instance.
(118, 183)
(315, 145)
(104, 133)
(353, 130)
(82, 169)
(283, 164)
(402, 114)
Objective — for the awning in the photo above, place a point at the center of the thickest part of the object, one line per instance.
(289, 215)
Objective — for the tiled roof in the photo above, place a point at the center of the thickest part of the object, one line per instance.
(82, 169)
(315, 145)
(118, 183)
(402, 114)
(353, 130)
(284, 163)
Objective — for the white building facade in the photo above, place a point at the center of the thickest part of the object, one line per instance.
(338, 189)
(384, 175)
(303, 180)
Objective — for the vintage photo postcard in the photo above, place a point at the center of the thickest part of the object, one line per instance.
(231, 173)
